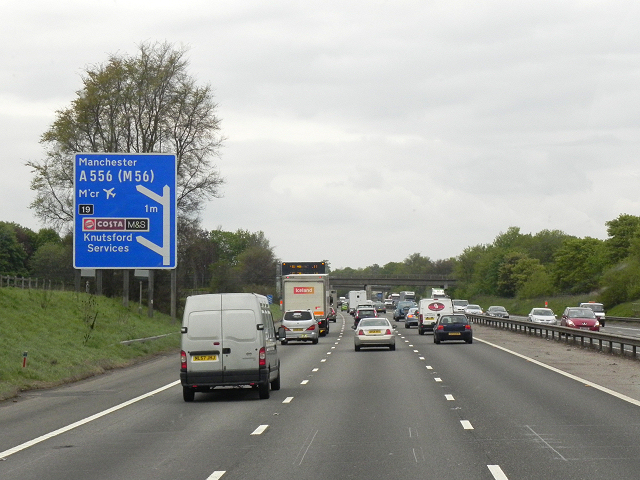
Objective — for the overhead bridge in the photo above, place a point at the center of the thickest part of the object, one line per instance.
(387, 281)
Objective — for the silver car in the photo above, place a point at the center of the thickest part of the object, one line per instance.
(473, 309)
(375, 332)
(543, 315)
(300, 325)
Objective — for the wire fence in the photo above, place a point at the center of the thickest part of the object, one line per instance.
(33, 283)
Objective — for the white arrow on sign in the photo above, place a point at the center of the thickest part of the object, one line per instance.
(165, 201)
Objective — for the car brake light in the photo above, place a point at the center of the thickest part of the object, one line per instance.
(388, 332)
(312, 327)
(262, 357)
(440, 327)
(360, 332)
(183, 360)
(467, 327)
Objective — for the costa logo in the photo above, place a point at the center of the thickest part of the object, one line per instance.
(436, 306)
(88, 224)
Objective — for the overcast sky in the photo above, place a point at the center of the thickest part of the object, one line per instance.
(362, 132)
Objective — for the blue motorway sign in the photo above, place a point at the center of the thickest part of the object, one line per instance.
(125, 210)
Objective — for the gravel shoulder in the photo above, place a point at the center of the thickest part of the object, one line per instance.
(613, 371)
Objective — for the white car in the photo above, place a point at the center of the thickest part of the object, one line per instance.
(473, 310)
(374, 332)
(543, 315)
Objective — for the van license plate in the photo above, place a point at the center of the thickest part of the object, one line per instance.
(205, 358)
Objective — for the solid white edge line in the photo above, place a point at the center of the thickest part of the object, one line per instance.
(260, 430)
(566, 374)
(84, 421)
(497, 472)
(216, 475)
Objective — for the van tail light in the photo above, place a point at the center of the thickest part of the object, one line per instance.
(183, 361)
(262, 357)
(312, 327)
(421, 319)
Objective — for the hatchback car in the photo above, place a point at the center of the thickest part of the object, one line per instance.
(452, 327)
(402, 308)
(497, 311)
(543, 315)
(411, 318)
(472, 309)
(380, 307)
(300, 325)
(363, 312)
(332, 315)
(580, 317)
(374, 332)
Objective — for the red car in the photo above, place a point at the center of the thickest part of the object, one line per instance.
(580, 317)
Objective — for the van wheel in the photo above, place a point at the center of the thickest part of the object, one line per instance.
(275, 385)
(263, 390)
(188, 394)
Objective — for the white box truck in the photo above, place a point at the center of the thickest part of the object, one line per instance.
(355, 298)
(429, 309)
(307, 292)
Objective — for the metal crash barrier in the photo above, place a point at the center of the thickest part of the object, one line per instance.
(621, 344)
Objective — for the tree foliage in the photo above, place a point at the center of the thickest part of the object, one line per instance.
(141, 104)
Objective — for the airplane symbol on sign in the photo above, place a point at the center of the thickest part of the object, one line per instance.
(109, 192)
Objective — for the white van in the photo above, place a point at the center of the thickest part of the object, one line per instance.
(228, 339)
(429, 310)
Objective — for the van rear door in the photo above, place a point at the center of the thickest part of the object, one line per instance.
(240, 348)
(204, 332)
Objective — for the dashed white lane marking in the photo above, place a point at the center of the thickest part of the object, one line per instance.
(421, 358)
(415, 351)
(260, 430)
(315, 369)
(323, 360)
(437, 379)
(497, 472)
(304, 382)
(466, 424)
(217, 475)
(429, 367)
(287, 400)
(449, 397)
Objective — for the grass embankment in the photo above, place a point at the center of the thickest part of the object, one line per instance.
(69, 336)
(522, 307)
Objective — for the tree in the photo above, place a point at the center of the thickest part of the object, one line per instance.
(12, 253)
(579, 263)
(141, 104)
(622, 231)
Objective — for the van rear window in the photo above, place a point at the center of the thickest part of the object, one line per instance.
(302, 315)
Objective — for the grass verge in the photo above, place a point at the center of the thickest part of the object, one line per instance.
(69, 336)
